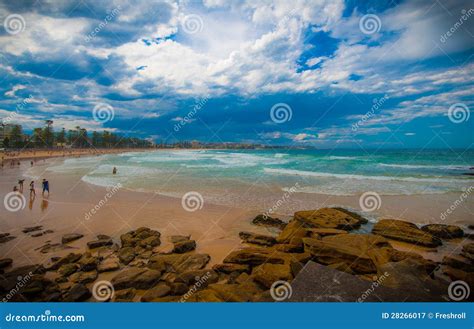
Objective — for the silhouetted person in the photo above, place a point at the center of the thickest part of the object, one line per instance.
(20, 183)
(114, 171)
(45, 186)
(32, 189)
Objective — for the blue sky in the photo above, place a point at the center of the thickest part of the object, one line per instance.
(327, 74)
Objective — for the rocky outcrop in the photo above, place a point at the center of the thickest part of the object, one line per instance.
(444, 231)
(253, 256)
(100, 242)
(142, 237)
(178, 263)
(5, 262)
(259, 239)
(406, 232)
(184, 246)
(77, 293)
(5, 237)
(336, 218)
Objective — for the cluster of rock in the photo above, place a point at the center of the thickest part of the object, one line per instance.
(141, 270)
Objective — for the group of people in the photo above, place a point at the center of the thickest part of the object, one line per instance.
(19, 188)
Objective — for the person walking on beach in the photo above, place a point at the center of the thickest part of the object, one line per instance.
(114, 171)
(15, 189)
(45, 186)
(20, 183)
(32, 189)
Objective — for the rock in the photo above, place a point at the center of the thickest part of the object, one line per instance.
(77, 293)
(457, 274)
(360, 252)
(267, 274)
(253, 256)
(178, 288)
(32, 229)
(52, 247)
(264, 220)
(200, 278)
(444, 231)
(103, 237)
(35, 235)
(88, 262)
(330, 218)
(259, 239)
(206, 295)
(99, 243)
(184, 246)
(5, 237)
(71, 237)
(83, 277)
(322, 232)
(245, 292)
(107, 265)
(318, 283)
(142, 236)
(293, 230)
(5, 262)
(459, 262)
(468, 251)
(69, 258)
(406, 232)
(126, 255)
(179, 238)
(152, 241)
(67, 269)
(290, 248)
(134, 277)
(124, 295)
(160, 290)
(230, 268)
(178, 263)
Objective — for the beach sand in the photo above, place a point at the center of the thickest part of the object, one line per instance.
(214, 227)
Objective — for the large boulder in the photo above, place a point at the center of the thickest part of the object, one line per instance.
(294, 232)
(336, 218)
(99, 243)
(142, 236)
(126, 255)
(267, 274)
(184, 246)
(69, 258)
(354, 253)
(108, 264)
(443, 231)
(178, 263)
(459, 262)
(230, 268)
(158, 291)
(254, 238)
(138, 278)
(468, 251)
(77, 293)
(83, 277)
(5, 262)
(406, 232)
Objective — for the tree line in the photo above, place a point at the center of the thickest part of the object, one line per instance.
(46, 137)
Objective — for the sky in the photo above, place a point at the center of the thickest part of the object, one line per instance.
(314, 73)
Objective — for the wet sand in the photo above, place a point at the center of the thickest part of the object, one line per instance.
(214, 227)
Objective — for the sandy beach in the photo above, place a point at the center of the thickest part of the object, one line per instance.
(215, 228)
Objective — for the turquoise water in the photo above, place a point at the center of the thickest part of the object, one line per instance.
(225, 173)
